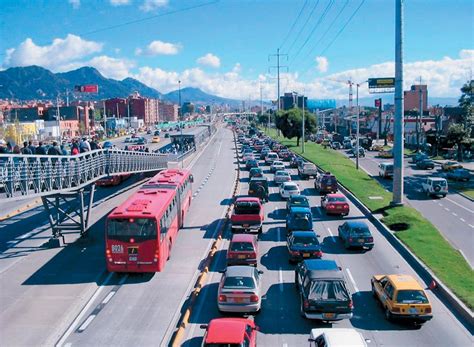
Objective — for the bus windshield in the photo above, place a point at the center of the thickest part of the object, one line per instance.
(124, 228)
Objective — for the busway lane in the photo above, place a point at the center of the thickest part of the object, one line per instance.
(142, 311)
(280, 322)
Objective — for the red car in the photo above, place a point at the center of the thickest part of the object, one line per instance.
(248, 215)
(243, 250)
(335, 204)
(112, 180)
(230, 332)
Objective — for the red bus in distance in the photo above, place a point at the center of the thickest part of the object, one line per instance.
(141, 231)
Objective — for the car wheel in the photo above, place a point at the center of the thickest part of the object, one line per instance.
(296, 281)
(373, 290)
(301, 308)
(346, 245)
(388, 314)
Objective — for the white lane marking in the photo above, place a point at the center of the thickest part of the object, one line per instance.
(86, 323)
(447, 209)
(108, 297)
(69, 344)
(464, 207)
(280, 279)
(333, 239)
(472, 226)
(463, 220)
(83, 311)
(454, 214)
(352, 280)
(285, 345)
(440, 204)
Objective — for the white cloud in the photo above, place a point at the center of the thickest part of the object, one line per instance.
(151, 5)
(75, 3)
(53, 56)
(159, 47)
(119, 2)
(322, 64)
(210, 60)
(112, 67)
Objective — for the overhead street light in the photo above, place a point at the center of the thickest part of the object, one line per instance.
(357, 124)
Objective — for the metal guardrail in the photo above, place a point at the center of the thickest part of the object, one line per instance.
(25, 176)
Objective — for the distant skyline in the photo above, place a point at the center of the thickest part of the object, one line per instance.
(222, 46)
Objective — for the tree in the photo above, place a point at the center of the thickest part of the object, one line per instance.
(458, 134)
(290, 123)
(465, 102)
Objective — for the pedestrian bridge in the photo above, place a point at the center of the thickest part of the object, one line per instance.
(27, 176)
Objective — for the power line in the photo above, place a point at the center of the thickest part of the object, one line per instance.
(327, 30)
(323, 15)
(294, 23)
(343, 27)
(304, 25)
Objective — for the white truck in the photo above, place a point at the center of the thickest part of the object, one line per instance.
(435, 186)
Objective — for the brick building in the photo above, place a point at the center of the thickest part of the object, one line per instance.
(168, 112)
(412, 98)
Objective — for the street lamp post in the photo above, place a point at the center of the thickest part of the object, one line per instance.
(180, 122)
(357, 126)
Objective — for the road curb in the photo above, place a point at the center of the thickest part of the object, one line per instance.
(183, 322)
(463, 313)
(21, 209)
(464, 196)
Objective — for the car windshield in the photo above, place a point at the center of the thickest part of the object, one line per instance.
(412, 297)
(305, 241)
(286, 174)
(302, 221)
(237, 246)
(338, 199)
(124, 228)
(291, 187)
(247, 207)
(239, 282)
(328, 290)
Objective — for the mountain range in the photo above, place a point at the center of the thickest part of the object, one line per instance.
(37, 83)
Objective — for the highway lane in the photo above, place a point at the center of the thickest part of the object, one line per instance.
(452, 215)
(43, 290)
(280, 322)
(144, 309)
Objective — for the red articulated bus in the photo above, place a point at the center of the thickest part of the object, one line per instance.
(141, 231)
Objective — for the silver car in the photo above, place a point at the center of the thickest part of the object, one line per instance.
(277, 165)
(239, 290)
(282, 176)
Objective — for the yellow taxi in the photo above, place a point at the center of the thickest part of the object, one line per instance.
(386, 154)
(402, 298)
(155, 139)
(377, 148)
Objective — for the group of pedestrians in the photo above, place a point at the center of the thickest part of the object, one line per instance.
(78, 145)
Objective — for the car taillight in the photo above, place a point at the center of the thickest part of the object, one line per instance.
(107, 251)
(346, 206)
(395, 309)
(318, 254)
(157, 253)
(294, 252)
(428, 310)
(222, 298)
(253, 298)
(351, 305)
(305, 303)
(331, 206)
(253, 255)
(370, 239)
(350, 239)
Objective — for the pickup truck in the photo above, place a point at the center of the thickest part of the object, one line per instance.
(306, 170)
(247, 215)
(435, 186)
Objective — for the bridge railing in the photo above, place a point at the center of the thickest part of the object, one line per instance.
(24, 176)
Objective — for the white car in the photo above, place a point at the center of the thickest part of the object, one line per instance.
(271, 157)
(277, 165)
(247, 156)
(282, 176)
(336, 337)
(288, 189)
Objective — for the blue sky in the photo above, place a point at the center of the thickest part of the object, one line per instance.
(223, 46)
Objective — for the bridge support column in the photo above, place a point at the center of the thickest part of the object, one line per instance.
(69, 211)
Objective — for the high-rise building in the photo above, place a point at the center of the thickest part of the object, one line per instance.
(290, 100)
(412, 98)
(168, 112)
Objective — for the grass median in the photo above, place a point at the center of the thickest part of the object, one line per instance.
(420, 236)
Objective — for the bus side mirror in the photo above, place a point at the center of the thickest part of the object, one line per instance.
(191, 178)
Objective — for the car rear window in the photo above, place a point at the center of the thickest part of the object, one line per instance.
(237, 246)
(239, 282)
(305, 241)
(247, 207)
(360, 231)
(341, 199)
(411, 297)
(328, 290)
(291, 187)
(329, 180)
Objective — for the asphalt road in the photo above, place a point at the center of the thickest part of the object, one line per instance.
(51, 295)
(452, 215)
(280, 322)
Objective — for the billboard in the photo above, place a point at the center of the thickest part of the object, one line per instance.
(381, 85)
(321, 104)
(87, 88)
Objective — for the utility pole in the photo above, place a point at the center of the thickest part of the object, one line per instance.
(351, 111)
(302, 132)
(278, 67)
(397, 198)
(357, 126)
(180, 121)
(379, 133)
(105, 121)
(419, 121)
(58, 116)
